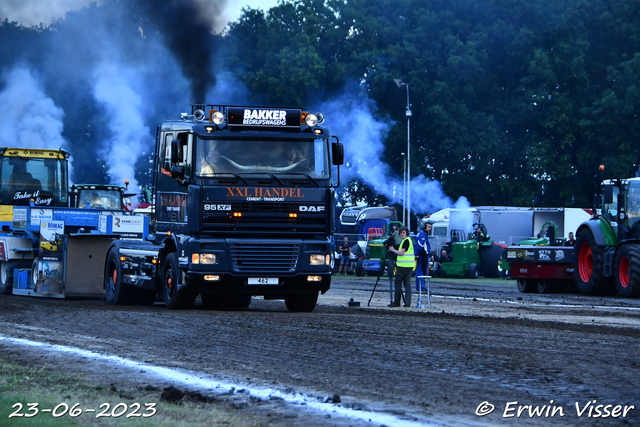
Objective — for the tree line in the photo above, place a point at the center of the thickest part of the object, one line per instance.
(513, 102)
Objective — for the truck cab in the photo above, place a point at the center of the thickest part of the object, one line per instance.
(243, 205)
(28, 177)
(99, 196)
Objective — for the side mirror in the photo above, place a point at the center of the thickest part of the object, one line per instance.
(177, 172)
(608, 194)
(176, 155)
(337, 152)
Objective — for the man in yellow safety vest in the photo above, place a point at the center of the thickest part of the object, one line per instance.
(406, 262)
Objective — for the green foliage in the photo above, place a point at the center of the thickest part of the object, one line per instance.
(513, 102)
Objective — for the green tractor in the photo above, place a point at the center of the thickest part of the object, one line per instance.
(100, 196)
(607, 248)
(548, 236)
(476, 256)
(376, 254)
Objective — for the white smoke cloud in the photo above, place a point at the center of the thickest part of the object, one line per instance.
(129, 138)
(351, 117)
(34, 12)
(28, 117)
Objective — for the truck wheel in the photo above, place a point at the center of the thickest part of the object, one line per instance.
(301, 303)
(116, 292)
(171, 277)
(545, 286)
(627, 271)
(6, 276)
(588, 265)
(473, 271)
(359, 269)
(526, 286)
(492, 260)
(34, 273)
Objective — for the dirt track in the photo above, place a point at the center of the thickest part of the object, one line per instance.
(434, 366)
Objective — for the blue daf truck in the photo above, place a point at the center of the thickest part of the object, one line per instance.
(243, 206)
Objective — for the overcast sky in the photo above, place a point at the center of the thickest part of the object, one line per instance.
(33, 12)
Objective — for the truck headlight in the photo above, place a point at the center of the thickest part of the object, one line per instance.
(311, 120)
(317, 259)
(204, 259)
(217, 117)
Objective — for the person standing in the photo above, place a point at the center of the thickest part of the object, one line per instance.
(345, 254)
(405, 264)
(571, 241)
(423, 255)
(395, 234)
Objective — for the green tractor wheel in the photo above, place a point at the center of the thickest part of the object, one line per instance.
(492, 261)
(588, 265)
(627, 271)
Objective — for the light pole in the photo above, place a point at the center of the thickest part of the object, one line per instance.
(400, 83)
(404, 188)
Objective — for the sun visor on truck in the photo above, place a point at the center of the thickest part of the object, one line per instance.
(264, 117)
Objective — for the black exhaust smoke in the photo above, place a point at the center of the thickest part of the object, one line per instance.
(187, 29)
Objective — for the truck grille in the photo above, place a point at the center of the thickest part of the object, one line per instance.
(264, 258)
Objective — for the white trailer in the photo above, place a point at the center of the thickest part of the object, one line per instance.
(505, 224)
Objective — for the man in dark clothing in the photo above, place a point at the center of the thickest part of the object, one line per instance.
(571, 241)
(345, 253)
(406, 263)
(445, 257)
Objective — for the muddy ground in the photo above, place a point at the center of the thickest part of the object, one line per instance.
(479, 342)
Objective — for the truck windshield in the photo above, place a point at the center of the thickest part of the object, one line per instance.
(633, 203)
(309, 157)
(100, 199)
(42, 180)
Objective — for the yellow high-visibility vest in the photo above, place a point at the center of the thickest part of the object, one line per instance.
(408, 259)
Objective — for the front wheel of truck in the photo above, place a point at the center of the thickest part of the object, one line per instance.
(116, 292)
(6, 276)
(171, 278)
(301, 303)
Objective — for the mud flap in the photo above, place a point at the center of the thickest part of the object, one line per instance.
(84, 264)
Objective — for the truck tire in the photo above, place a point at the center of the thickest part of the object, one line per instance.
(301, 303)
(116, 292)
(359, 269)
(588, 265)
(473, 271)
(526, 286)
(545, 286)
(492, 259)
(34, 273)
(627, 271)
(171, 277)
(6, 276)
